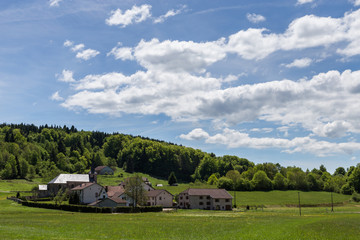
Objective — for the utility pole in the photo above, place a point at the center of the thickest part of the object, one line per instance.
(332, 203)
(299, 203)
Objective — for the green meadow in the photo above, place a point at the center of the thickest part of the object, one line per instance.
(18, 222)
(274, 221)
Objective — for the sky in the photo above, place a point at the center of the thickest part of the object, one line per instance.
(271, 81)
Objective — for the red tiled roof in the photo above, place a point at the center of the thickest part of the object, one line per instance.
(114, 190)
(83, 186)
(212, 192)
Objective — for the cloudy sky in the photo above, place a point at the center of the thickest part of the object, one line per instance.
(271, 81)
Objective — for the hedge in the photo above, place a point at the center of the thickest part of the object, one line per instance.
(90, 209)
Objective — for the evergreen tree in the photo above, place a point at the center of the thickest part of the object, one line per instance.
(172, 179)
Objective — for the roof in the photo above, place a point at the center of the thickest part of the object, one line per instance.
(99, 168)
(42, 187)
(118, 200)
(154, 193)
(64, 178)
(83, 186)
(114, 190)
(212, 192)
(114, 199)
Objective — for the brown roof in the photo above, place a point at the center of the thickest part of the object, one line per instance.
(114, 190)
(99, 168)
(117, 200)
(154, 193)
(83, 186)
(212, 192)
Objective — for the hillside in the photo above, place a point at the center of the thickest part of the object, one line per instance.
(28, 152)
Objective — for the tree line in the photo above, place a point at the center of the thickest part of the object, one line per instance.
(28, 151)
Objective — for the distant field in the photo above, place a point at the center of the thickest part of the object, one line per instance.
(283, 198)
(18, 222)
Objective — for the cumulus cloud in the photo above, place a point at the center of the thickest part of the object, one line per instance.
(170, 13)
(237, 139)
(299, 63)
(305, 32)
(301, 2)
(356, 2)
(134, 15)
(196, 134)
(178, 56)
(255, 18)
(81, 53)
(87, 54)
(123, 53)
(54, 3)
(56, 97)
(66, 76)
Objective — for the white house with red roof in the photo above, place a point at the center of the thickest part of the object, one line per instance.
(90, 192)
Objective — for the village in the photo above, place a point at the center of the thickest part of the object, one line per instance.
(89, 192)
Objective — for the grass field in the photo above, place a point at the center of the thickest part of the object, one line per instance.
(272, 222)
(18, 222)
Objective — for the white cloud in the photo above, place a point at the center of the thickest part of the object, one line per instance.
(78, 47)
(255, 18)
(301, 2)
(178, 56)
(305, 32)
(236, 139)
(81, 53)
(333, 129)
(54, 3)
(134, 15)
(66, 76)
(170, 13)
(56, 97)
(123, 53)
(299, 63)
(356, 2)
(87, 54)
(68, 43)
(196, 134)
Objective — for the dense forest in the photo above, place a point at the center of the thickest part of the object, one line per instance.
(28, 151)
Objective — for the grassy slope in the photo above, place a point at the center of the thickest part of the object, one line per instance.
(18, 222)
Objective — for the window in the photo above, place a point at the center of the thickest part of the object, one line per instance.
(216, 200)
(159, 198)
(208, 197)
(227, 200)
(96, 195)
(208, 203)
(180, 198)
(201, 203)
(187, 197)
(201, 197)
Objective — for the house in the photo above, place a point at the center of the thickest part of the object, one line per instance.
(109, 202)
(145, 183)
(66, 181)
(43, 191)
(90, 192)
(160, 197)
(118, 192)
(104, 170)
(209, 199)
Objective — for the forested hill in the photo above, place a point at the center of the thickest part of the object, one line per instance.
(28, 151)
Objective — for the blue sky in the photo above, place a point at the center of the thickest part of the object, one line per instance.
(271, 81)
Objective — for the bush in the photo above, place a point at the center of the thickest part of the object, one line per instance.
(355, 197)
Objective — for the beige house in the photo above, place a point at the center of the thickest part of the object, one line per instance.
(90, 192)
(160, 198)
(209, 199)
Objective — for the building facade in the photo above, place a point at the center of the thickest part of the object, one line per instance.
(207, 199)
